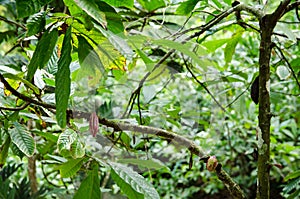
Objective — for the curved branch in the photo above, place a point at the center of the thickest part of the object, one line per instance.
(24, 97)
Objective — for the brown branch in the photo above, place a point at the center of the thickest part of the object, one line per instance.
(12, 22)
(24, 97)
(15, 108)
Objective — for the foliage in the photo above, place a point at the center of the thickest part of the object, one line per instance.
(74, 71)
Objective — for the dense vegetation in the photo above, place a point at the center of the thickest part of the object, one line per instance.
(149, 99)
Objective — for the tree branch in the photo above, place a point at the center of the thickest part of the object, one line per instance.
(24, 97)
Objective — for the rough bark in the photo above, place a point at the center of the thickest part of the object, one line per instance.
(267, 24)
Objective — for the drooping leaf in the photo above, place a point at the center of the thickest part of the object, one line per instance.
(120, 3)
(231, 45)
(43, 52)
(70, 168)
(114, 20)
(36, 23)
(149, 164)
(152, 5)
(186, 7)
(118, 42)
(22, 139)
(181, 48)
(213, 45)
(91, 8)
(29, 7)
(89, 61)
(90, 186)
(63, 81)
(131, 183)
(148, 61)
(78, 13)
(24, 81)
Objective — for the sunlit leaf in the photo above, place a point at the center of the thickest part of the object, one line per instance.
(152, 5)
(91, 8)
(69, 144)
(186, 7)
(70, 168)
(131, 183)
(36, 23)
(22, 139)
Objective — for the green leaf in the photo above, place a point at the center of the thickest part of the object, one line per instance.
(43, 52)
(63, 81)
(292, 175)
(152, 5)
(4, 151)
(148, 61)
(119, 43)
(90, 63)
(120, 3)
(22, 139)
(29, 7)
(24, 81)
(70, 168)
(186, 7)
(90, 186)
(149, 164)
(78, 13)
(114, 20)
(231, 45)
(213, 45)
(68, 144)
(91, 8)
(36, 23)
(131, 183)
(217, 3)
(185, 49)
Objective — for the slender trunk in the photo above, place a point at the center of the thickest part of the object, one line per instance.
(263, 131)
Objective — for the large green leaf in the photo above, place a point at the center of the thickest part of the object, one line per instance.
(186, 7)
(43, 52)
(70, 168)
(24, 81)
(213, 45)
(36, 23)
(152, 5)
(149, 164)
(114, 20)
(29, 7)
(131, 183)
(22, 139)
(63, 81)
(90, 186)
(118, 42)
(69, 145)
(90, 63)
(92, 9)
(120, 3)
(231, 45)
(185, 49)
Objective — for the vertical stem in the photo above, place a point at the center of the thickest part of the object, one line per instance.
(263, 131)
(32, 174)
